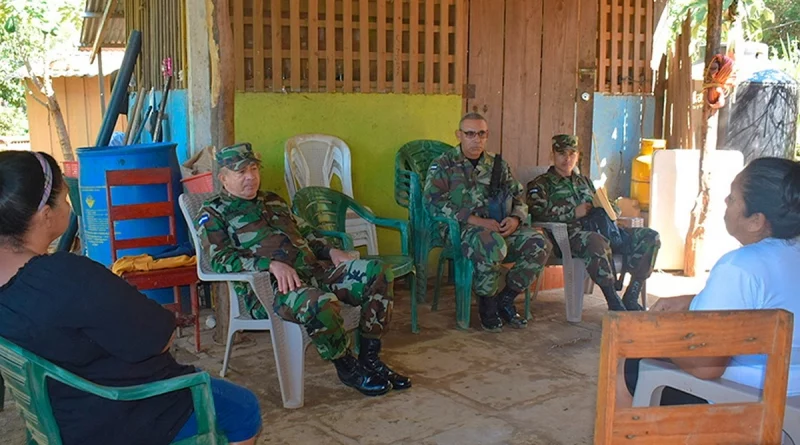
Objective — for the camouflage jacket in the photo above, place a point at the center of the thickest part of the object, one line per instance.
(456, 189)
(554, 198)
(246, 235)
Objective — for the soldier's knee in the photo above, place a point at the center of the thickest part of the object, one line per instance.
(597, 244)
(490, 247)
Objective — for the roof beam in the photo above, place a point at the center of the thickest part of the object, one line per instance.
(97, 15)
(98, 40)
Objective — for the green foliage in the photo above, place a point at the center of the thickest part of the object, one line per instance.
(32, 31)
(787, 22)
(753, 15)
(13, 121)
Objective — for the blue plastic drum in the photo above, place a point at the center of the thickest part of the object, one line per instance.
(94, 162)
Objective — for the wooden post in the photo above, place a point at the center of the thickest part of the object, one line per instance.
(708, 142)
(198, 81)
(220, 42)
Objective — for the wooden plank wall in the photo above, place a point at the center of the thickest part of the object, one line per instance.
(626, 46)
(161, 38)
(678, 93)
(369, 46)
(79, 98)
(486, 37)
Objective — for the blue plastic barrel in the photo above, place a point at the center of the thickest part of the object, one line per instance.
(96, 239)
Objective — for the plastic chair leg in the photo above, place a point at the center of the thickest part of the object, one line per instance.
(573, 291)
(437, 289)
(414, 316)
(463, 278)
(290, 361)
(528, 315)
(228, 347)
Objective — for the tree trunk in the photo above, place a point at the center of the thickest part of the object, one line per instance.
(220, 37)
(45, 86)
(708, 141)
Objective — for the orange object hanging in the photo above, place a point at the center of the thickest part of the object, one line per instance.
(715, 80)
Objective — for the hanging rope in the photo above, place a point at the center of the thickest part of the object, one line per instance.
(715, 80)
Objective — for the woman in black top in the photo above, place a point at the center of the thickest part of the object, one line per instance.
(77, 314)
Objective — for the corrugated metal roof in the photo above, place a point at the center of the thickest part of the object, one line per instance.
(76, 64)
(115, 28)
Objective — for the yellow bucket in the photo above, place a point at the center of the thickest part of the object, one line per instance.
(640, 171)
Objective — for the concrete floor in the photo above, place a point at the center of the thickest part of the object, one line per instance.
(531, 386)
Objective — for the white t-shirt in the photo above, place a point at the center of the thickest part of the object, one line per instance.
(764, 275)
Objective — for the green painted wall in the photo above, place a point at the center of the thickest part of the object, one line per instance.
(374, 126)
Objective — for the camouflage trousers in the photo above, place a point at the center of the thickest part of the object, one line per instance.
(595, 250)
(368, 284)
(527, 248)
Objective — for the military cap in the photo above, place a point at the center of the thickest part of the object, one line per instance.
(563, 142)
(236, 157)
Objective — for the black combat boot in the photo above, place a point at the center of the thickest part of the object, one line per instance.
(631, 297)
(487, 309)
(370, 360)
(507, 310)
(614, 303)
(353, 374)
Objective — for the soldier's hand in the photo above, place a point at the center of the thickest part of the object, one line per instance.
(340, 256)
(486, 223)
(509, 226)
(288, 280)
(583, 209)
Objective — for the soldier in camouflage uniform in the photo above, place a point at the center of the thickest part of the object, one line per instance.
(246, 230)
(560, 195)
(457, 186)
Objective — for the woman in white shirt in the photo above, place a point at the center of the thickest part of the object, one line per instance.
(763, 213)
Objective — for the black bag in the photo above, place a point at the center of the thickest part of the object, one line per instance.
(497, 195)
(597, 220)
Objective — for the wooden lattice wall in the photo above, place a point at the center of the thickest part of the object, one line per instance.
(399, 46)
(626, 45)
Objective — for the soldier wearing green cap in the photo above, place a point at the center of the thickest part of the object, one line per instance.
(563, 195)
(458, 185)
(247, 230)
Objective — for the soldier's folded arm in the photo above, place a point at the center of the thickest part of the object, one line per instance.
(437, 194)
(543, 210)
(226, 257)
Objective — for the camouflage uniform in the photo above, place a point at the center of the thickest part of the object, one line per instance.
(456, 189)
(554, 198)
(247, 235)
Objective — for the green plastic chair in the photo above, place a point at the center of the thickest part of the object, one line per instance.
(26, 376)
(326, 210)
(411, 167)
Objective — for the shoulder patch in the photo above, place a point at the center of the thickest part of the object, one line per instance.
(203, 219)
(535, 190)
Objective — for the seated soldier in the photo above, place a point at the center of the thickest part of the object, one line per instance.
(246, 230)
(561, 195)
(458, 185)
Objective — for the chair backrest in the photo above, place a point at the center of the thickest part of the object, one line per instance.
(411, 167)
(313, 160)
(323, 208)
(190, 204)
(695, 334)
(25, 376)
(127, 212)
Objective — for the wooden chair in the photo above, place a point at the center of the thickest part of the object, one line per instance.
(695, 334)
(27, 376)
(154, 279)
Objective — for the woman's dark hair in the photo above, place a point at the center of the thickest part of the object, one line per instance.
(772, 186)
(22, 183)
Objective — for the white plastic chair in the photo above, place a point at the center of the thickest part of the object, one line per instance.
(313, 160)
(655, 375)
(289, 340)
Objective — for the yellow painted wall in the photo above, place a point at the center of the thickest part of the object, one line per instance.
(374, 126)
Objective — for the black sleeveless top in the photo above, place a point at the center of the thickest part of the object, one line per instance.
(75, 313)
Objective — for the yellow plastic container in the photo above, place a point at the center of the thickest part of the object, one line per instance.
(640, 171)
